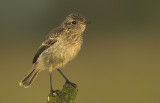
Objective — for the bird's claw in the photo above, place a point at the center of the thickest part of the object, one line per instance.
(54, 92)
(73, 84)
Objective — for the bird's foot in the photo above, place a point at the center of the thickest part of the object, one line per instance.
(73, 84)
(54, 92)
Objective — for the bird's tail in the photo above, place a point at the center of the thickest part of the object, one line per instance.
(30, 77)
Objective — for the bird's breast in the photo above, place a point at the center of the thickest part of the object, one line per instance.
(62, 52)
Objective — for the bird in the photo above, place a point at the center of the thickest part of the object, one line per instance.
(61, 45)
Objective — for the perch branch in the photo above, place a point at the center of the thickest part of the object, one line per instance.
(66, 95)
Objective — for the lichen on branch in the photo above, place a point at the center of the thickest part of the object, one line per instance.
(66, 95)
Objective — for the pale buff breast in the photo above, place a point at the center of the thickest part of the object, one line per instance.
(59, 54)
(67, 52)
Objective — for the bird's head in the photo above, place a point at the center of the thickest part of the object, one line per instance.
(75, 22)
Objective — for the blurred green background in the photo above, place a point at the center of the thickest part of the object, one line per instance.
(119, 61)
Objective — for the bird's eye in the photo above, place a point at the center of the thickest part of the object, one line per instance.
(74, 22)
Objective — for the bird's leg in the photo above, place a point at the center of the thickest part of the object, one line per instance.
(51, 89)
(67, 80)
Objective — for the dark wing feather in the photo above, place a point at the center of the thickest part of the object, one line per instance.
(46, 44)
(50, 40)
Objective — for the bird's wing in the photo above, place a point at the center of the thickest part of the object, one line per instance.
(45, 45)
(50, 40)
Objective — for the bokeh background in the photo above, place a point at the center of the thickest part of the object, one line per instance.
(119, 61)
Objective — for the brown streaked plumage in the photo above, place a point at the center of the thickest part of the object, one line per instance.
(61, 45)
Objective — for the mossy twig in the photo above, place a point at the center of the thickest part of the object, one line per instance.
(66, 95)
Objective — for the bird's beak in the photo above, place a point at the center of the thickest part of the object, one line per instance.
(87, 22)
